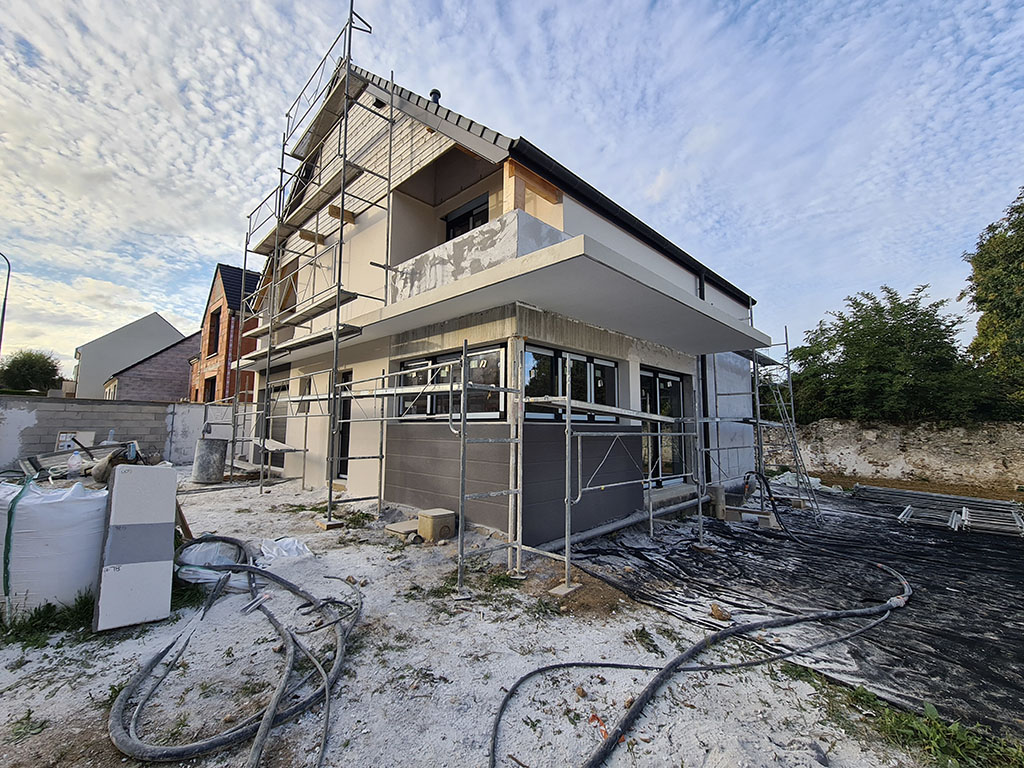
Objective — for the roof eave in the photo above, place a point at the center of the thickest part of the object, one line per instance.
(538, 161)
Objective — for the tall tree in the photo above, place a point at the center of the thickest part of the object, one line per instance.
(30, 369)
(889, 358)
(996, 289)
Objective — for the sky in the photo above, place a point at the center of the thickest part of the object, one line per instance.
(804, 151)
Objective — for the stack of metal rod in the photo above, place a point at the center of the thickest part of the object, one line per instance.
(961, 513)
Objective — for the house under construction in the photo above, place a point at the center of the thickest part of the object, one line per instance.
(448, 317)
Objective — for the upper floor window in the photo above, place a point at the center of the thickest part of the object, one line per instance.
(469, 216)
(213, 333)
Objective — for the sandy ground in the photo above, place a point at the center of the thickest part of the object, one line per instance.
(424, 675)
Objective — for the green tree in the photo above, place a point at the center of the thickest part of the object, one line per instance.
(996, 289)
(888, 358)
(30, 369)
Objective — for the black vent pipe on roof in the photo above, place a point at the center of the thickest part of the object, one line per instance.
(435, 95)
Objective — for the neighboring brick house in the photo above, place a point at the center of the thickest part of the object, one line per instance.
(97, 360)
(162, 377)
(213, 373)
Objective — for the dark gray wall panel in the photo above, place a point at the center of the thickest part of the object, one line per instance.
(422, 470)
(544, 480)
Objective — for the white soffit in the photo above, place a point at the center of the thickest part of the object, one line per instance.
(584, 280)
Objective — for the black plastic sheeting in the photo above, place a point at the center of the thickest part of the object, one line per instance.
(958, 644)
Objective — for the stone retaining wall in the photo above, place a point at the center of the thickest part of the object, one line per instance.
(987, 453)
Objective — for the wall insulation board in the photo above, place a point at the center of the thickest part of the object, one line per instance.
(138, 548)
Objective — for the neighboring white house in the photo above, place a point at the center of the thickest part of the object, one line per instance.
(100, 358)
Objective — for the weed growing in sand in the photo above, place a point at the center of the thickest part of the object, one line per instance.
(113, 692)
(185, 594)
(543, 608)
(24, 727)
(177, 729)
(255, 687)
(645, 640)
(33, 629)
(947, 744)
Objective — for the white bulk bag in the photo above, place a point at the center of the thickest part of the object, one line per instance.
(56, 540)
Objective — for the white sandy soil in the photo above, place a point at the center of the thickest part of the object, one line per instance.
(424, 675)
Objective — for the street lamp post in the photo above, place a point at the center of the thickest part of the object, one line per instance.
(3, 308)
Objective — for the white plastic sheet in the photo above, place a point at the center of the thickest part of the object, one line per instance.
(56, 539)
(283, 547)
(211, 553)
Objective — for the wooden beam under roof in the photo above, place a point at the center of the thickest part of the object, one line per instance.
(335, 212)
(311, 237)
(540, 187)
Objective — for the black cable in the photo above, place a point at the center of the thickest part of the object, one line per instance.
(678, 664)
(128, 742)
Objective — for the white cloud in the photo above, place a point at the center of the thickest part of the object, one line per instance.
(806, 152)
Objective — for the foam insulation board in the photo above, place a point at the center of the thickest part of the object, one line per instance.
(138, 548)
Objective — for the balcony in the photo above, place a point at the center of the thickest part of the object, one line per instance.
(508, 237)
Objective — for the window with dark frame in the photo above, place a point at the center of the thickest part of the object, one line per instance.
(663, 393)
(467, 217)
(486, 366)
(213, 333)
(593, 381)
(210, 389)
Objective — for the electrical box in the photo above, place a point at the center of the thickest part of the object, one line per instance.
(66, 439)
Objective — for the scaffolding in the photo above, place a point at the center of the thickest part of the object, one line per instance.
(335, 164)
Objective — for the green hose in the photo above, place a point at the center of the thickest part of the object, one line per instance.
(7, 550)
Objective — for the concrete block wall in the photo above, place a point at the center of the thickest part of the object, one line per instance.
(29, 425)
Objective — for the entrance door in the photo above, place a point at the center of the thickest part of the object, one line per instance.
(662, 393)
(278, 421)
(344, 428)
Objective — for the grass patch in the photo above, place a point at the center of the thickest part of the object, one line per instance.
(542, 608)
(944, 743)
(352, 518)
(186, 594)
(24, 727)
(33, 629)
(645, 640)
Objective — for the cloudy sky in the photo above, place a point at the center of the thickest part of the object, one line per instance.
(805, 151)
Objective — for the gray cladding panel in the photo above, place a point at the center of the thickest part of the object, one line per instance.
(422, 470)
(544, 480)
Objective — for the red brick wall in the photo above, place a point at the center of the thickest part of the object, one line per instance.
(221, 364)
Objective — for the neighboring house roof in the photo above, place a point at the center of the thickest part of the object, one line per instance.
(232, 278)
(128, 325)
(150, 357)
(495, 147)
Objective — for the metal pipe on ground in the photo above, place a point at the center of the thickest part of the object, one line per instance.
(615, 525)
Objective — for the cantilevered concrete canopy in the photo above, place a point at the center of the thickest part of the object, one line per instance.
(580, 278)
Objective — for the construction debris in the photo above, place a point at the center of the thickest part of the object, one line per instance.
(138, 548)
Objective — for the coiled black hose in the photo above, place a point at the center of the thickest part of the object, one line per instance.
(679, 663)
(341, 616)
